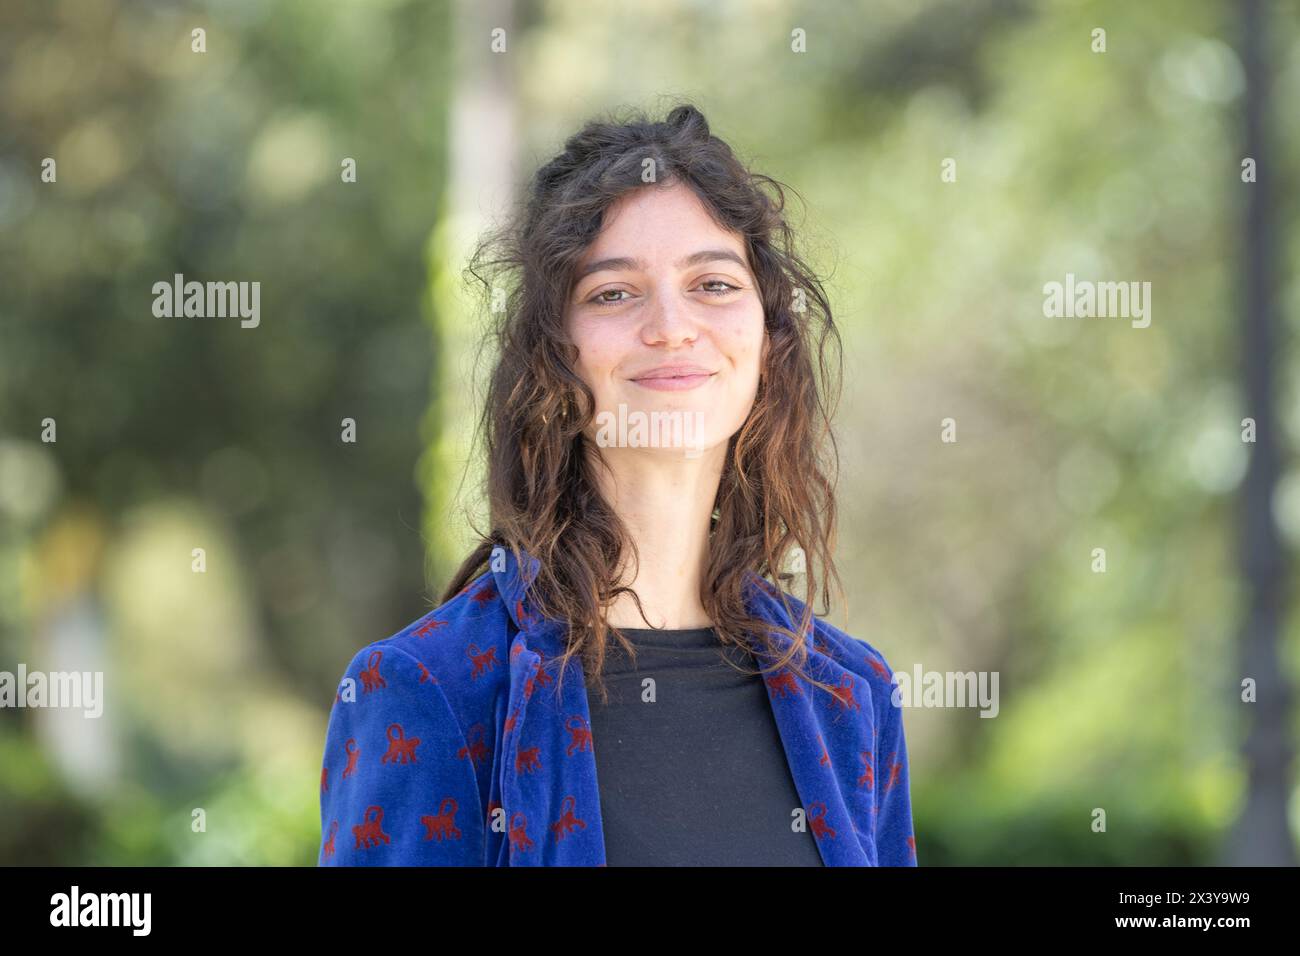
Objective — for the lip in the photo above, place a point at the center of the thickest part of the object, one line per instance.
(675, 383)
(674, 378)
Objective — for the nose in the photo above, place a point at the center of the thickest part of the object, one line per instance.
(668, 321)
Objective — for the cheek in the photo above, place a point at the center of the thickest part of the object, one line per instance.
(598, 354)
(744, 338)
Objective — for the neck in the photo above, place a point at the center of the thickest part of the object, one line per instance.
(666, 501)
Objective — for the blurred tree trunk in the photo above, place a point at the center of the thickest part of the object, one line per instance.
(70, 635)
(1261, 835)
(482, 163)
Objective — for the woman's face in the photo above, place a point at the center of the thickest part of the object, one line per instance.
(667, 319)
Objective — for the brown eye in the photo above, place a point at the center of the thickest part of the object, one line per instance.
(597, 300)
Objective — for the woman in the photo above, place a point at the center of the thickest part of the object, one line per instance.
(654, 426)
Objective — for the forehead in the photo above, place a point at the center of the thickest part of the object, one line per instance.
(668, 216)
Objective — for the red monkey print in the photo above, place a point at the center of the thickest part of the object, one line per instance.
(329, 844)
(880, 669)
(482, 660)
(370, 832)
(518, 833)
(844, 693)
(371, 679)
(579, 734)
(868, 778)
(568, 821)
(353, 752)
(401, 749)
(820, 827)
(536, 678)
(475, 749)
(443, 824)
(543, 678)
(894, 768)
(429, 626)
(526, 761)
(783, 683)
(526, 620)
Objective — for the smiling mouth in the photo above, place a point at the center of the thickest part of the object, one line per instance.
(674, 383)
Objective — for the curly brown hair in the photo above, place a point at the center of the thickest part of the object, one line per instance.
(777, 490)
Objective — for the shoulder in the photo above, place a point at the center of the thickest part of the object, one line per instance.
(460, 646)
(855, 655)
(869, 666)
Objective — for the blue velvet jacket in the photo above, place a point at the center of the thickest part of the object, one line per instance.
(446, 744)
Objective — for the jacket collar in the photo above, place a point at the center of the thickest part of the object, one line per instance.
(823, 740)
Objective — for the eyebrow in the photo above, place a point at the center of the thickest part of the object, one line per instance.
(694, 259)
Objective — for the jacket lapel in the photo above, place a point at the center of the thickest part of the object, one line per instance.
(548, 766)
(828, 740)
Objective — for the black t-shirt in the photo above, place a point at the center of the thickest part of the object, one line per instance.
(699, 776)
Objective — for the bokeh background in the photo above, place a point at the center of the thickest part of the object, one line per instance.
(1119, 690)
